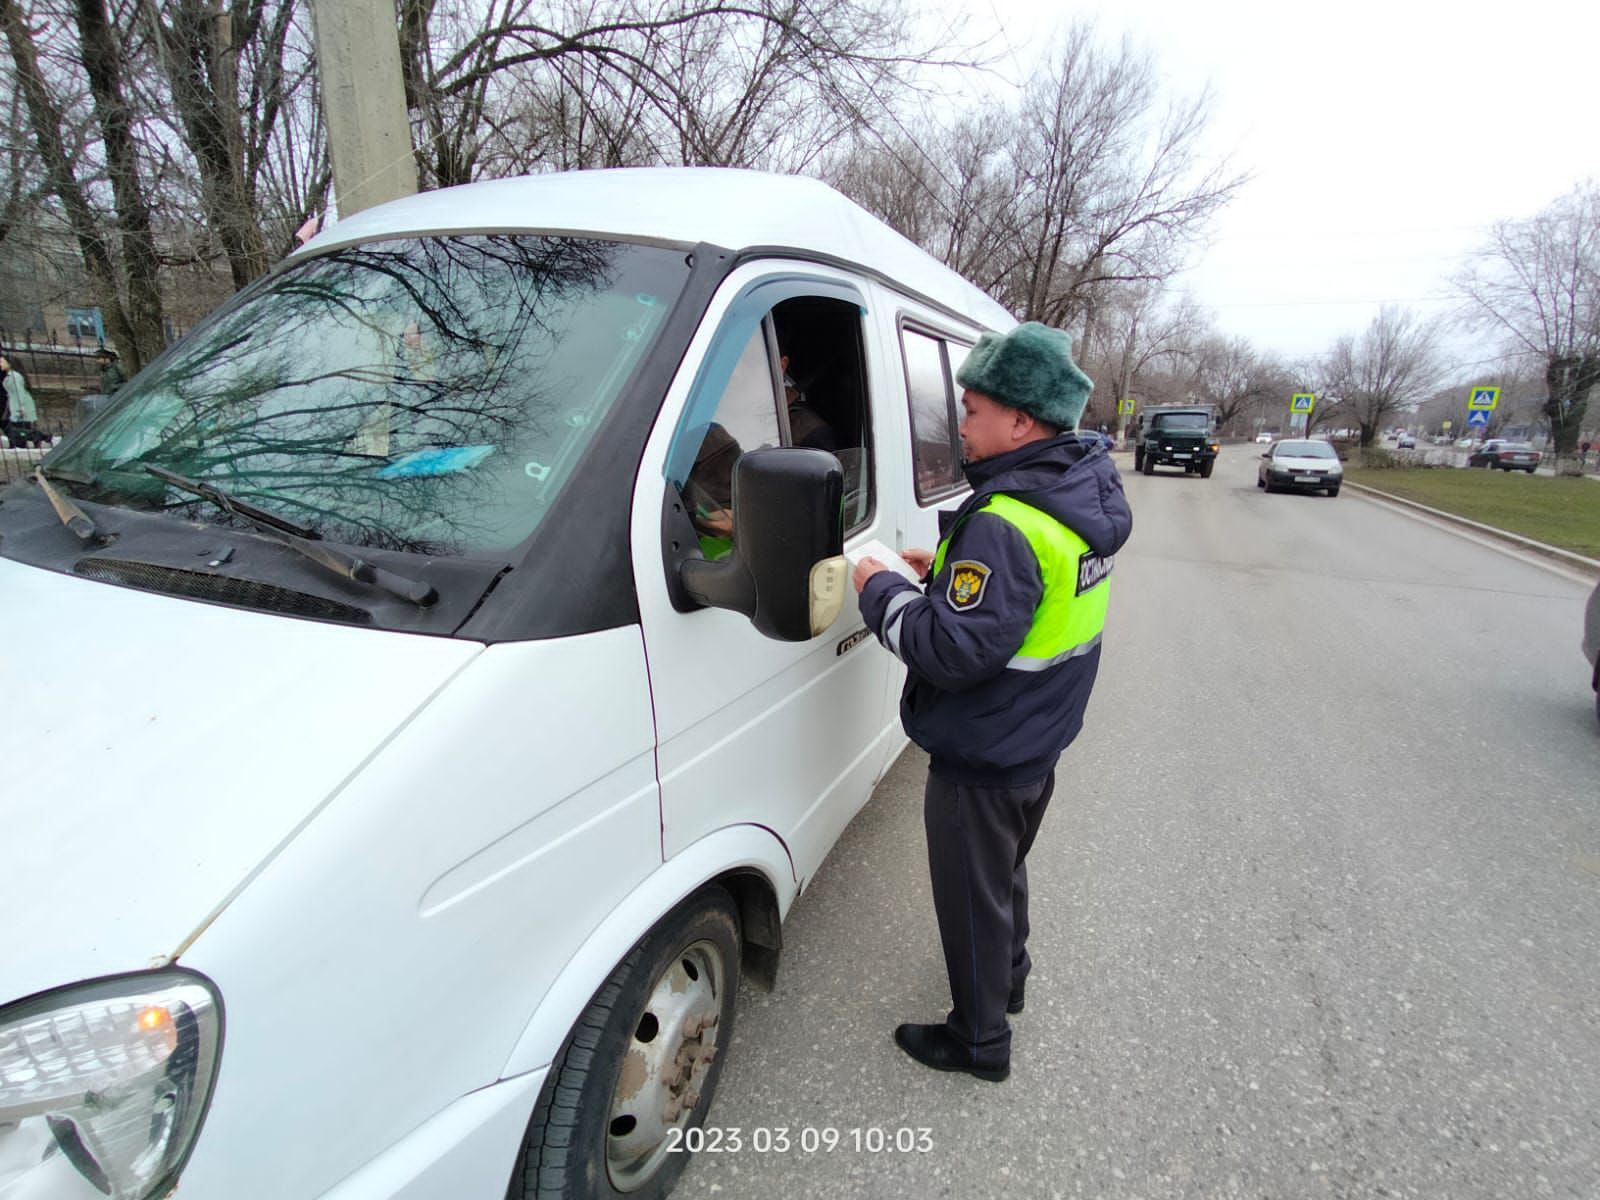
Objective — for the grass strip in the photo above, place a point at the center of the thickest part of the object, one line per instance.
(1558, 511)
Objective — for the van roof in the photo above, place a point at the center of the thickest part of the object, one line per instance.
(736, 209)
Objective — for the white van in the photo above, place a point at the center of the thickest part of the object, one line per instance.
(424, 690)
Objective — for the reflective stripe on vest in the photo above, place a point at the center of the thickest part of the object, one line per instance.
(1065, 624)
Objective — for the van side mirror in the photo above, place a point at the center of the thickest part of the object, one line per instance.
(787, 570)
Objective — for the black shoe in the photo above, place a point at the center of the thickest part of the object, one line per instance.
(1016, 1003)
(933, 1046)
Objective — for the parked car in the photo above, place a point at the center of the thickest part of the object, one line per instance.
(1506, 455)
(417, 744)
(1301, 465)
(1406, 442)
(1591, 643)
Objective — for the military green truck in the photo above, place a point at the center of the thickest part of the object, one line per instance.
(1177, 435)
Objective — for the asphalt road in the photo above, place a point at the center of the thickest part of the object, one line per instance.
(1315, 908)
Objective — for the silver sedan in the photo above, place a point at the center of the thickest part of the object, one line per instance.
(1301, 465)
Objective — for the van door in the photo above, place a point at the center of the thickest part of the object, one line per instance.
(791, 736)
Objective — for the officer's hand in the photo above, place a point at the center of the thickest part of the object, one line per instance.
(865, 570)
(921, 560)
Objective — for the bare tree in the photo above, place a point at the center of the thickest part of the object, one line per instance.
(1107, 192)
(1389, 367)
(155, 127)
(946, 187)
(1139, 331)
(103, 63)
(1536, 285)
(1055, 208)
(19, 168)
(240, 83)
(1229, 373)
(771, 83)
(46, 119)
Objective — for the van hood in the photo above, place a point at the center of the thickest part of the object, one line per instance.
(157, 752)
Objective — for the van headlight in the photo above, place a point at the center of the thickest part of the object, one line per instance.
(103, 1085)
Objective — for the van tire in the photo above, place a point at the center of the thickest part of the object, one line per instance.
(1206, 468)
(1149, 466)
(683, 972)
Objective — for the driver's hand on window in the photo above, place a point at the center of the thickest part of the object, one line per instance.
(716, 521)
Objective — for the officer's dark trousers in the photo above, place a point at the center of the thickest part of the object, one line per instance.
(978, 839)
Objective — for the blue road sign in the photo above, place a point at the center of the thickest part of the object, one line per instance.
(1478, 418)
(1484, 398)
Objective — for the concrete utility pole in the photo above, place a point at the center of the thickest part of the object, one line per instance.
(363, 98)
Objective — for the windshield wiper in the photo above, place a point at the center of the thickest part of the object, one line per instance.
(303, 540)
(229, 503)
(73, 517)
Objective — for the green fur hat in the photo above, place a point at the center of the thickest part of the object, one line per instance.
(1031, 369)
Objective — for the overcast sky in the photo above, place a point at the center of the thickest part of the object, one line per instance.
(1384, 137)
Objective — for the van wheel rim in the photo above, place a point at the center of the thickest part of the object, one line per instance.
(664, 1069)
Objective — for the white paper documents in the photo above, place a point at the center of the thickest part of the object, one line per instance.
(873, 548)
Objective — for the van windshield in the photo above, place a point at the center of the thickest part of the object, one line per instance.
(424, 394)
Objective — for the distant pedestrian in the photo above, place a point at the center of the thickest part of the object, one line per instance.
(111, 376)
(19, 414)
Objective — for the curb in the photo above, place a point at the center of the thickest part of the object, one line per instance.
(1589, 566)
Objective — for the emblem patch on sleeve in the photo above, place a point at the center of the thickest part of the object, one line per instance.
(967, 581)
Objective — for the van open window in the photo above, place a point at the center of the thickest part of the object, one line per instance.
(799, 381)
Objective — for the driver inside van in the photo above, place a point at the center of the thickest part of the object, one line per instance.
(807, 427)
(709, 491)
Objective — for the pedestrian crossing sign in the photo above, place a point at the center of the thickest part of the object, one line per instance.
(1127, 405)
(1302, 402)
(1483, 399)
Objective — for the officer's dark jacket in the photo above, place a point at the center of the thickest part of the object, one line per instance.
(1002, 646)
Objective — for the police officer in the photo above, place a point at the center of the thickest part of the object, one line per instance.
(1001, 647)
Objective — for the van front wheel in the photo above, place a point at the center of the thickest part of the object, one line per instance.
(640, 1068)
